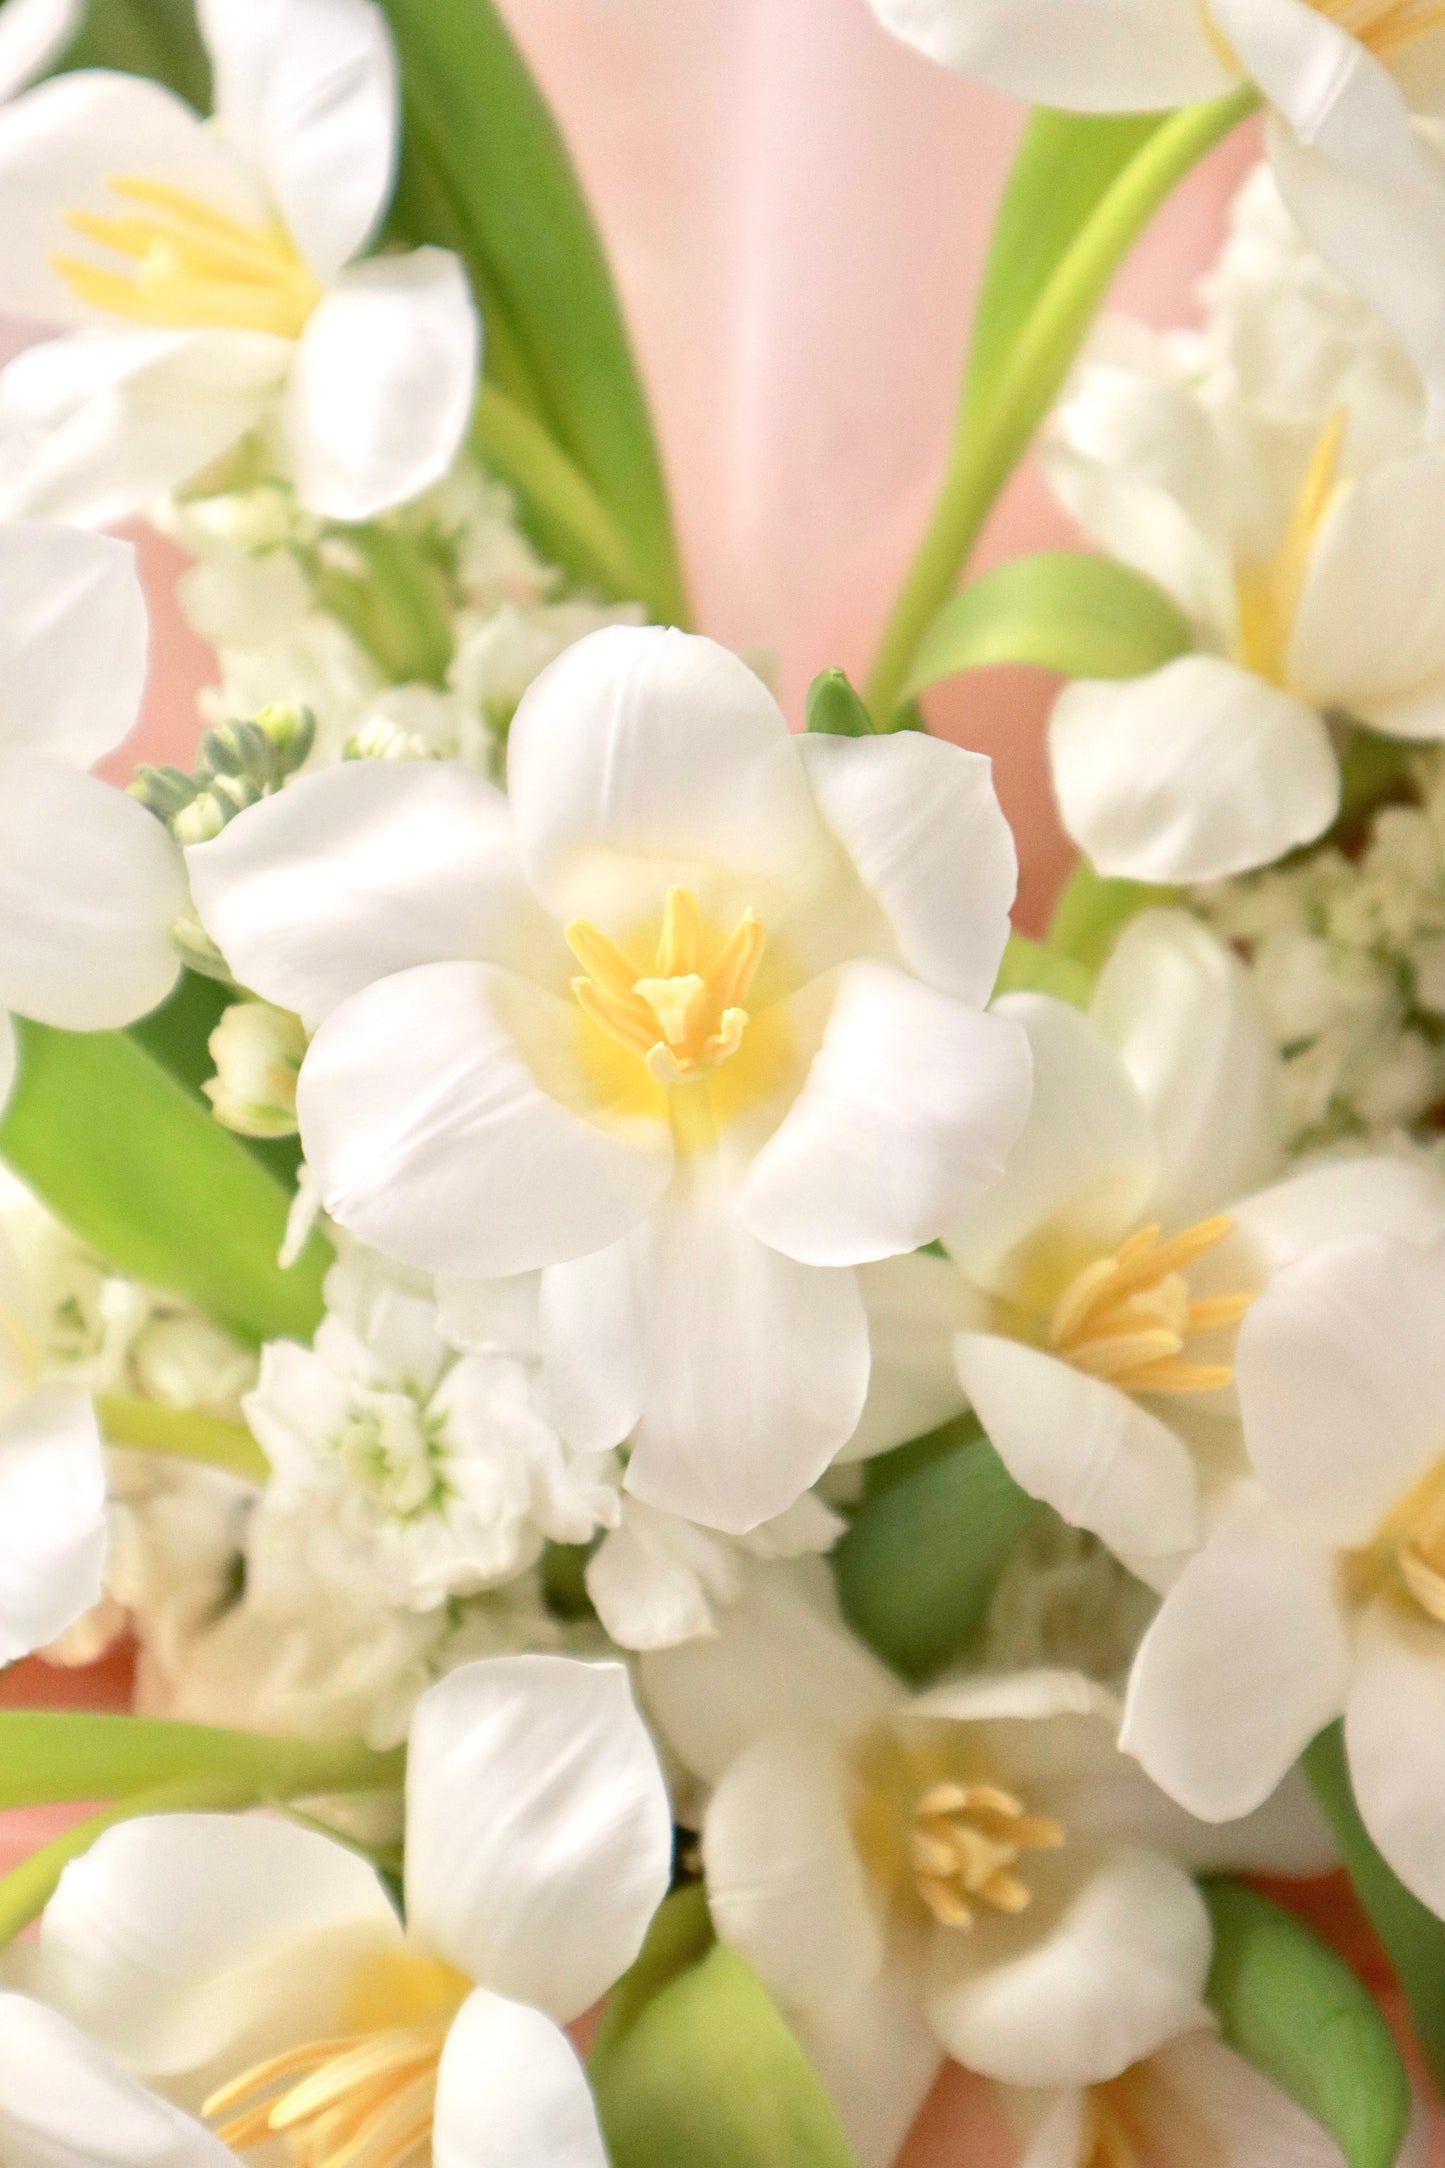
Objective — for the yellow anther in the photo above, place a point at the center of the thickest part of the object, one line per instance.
(1407, 1557)
(1270, 593)
(194, 267)
(685, 1016)
(965, 1843)
(1129, 1317)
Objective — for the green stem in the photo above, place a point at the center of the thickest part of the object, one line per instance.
(49, 1754)
(182, 1432)
(988, 445)
(517, 447)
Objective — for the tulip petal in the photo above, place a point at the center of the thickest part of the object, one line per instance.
(52, 1518)
(363, 870)
(433, 1139)
(916, 1305)
(62, 2105)
(1198, 2093)
(90, 884)
(1395, 1741)
(1247, 1659)
(73, 642)
(1401, 1200)
(1086, 55)
(33, 34)
(511, 2092)
(383, 384)
(539, 1837)
(877, 2057)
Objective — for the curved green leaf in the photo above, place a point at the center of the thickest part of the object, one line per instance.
(916, 1570)
(1295, 2010)
(47, 1755)
(561, 509)
(125, 1156)
(1090, 617)
(146, 37)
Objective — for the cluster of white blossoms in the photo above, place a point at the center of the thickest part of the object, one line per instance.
(679, 1202)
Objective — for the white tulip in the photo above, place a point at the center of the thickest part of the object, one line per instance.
(208, 277)
(1345, 82)
(691, 1022)
(970, 1872)
(264, 1967)
(1329, 1595)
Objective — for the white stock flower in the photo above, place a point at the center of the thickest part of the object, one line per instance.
(1329, 1595)
(1345, 82)
(772, 1068)
(207, 277)
(64, 2104)
(263, 1966)
(972, 1871)
(1313, 581)
(656, 1580)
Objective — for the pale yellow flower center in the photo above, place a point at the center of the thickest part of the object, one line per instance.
(191, 266)
(367, 2098)
(1270, 593)
(966, 1844)
(1129, 1316)
(1406, 1560)
(685, 1016)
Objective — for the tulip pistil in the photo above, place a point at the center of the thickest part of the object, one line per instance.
(686, 1016)
(967, 1841)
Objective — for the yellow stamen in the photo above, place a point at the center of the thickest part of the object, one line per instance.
(194, 266)
(1270, 593)
(684, 1017)
(1384, 27)
(1128, 1317)
(1406, 1560)
(966, 1841)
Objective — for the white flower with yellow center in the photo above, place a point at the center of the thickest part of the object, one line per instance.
(1329, 1595)
(208, 277)
(1345, 82)
(971, 1872)
(1312, 575)
(260, 1970)
(691, 1021)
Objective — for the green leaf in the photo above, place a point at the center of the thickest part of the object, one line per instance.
(1029, 967)
(1093, 911)
(485, 171)
(1414, 1938)
(47, 1756)
(396, 607)
(184, 1433)
(1295, 2010)
(917, 1569)
(561, 510)
(705, 2074)
(834, 707)
(125, 1156)
(146, 37)
(680, 1936)
(1087, 616)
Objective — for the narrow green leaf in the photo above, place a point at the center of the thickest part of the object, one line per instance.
(1414, 1938)
(1094, 910)
(916, 1570)
(1295, 2010)
(396, 607)
(127, 1158)
(558, 504)
(146, 37)
(184, 1433)
(47, 1755)
(483, 153)
(1029, 967)
(1090, 617)
(705, 2074)
(835, 709)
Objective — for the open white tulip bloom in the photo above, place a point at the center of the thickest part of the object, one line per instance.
(208, 277)
(971, 1871)
(1329, 1595)
(89, 881)
(65, 2105)
(1312, 577)
(262, 1966)
(691, 1020)
(1345, 82)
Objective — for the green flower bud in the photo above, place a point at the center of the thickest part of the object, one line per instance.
(258, 1053)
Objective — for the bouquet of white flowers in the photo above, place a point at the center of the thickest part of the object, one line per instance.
(689, 1431)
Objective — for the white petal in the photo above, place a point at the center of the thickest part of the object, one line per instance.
(1085, 55)
(180, 1938)
(785, 1883)
(754, 1367)
(638, 744)
(90, 884)
(1073, 1998)
(1401, 1200)
(33, 34)
(782, 1661)
(654, 1578)
(916, 1305)
(921, 822)
(1091, 1451)
(1085, 1161)
(306, 89)
(52, 1518)
(362, 870)
(1027, 1700)
(1198, 2099)
(908, 1110)
(539, 1837)
(61, 144)
(1050, 2124)
(1198, 771)
(433, 1140)
(1395, 1740)
(1245, 1662)
(62, 2105)
(877, 2058)
(1184, 1014)
(592, 1348)
(1341, 1374)
(383, 384)
(73, 641)
(511, 2093)
(1370, 633)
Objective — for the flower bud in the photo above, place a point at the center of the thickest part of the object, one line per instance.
(258, 1052)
